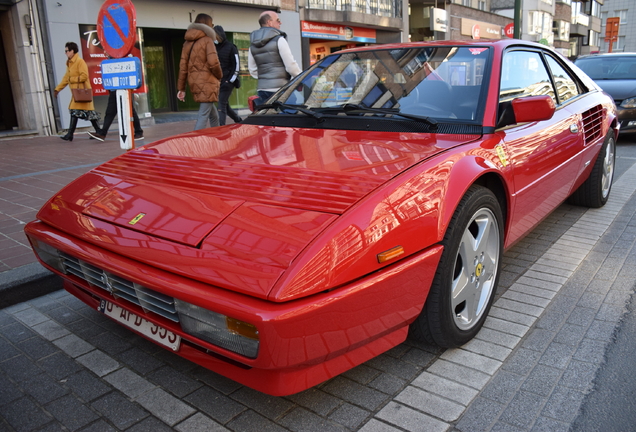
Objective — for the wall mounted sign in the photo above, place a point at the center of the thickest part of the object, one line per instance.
(480, 29)
(319, 30)
(439, 20)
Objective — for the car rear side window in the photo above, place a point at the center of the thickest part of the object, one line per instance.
(523, 73)
(565, 85)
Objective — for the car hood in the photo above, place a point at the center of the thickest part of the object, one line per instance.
(233, 206)
(618, 89)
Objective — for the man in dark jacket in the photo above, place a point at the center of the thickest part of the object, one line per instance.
(229, 59)
(270, 59)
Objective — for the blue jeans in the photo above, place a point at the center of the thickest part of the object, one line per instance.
(207, 110)
(263, 96)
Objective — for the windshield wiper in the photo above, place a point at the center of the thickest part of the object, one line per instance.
(280, 106)
(388, 111)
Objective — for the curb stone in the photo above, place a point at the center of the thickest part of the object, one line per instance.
(26, 283)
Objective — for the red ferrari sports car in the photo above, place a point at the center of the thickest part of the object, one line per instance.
(372, 196)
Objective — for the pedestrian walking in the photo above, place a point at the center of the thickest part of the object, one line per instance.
(76, 77)
(230, 64)
(270, 59)
(111, 111)
(200, 66)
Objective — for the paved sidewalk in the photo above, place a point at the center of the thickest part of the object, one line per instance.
(563, 290)
(32, 170)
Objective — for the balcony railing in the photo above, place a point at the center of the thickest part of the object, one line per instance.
(581, 19)
(386, 8)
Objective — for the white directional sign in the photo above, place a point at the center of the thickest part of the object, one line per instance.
(126, 138)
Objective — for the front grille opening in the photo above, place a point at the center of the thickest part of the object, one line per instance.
(149, 300)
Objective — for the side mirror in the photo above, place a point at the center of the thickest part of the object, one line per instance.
(533, 108)
(251, 102)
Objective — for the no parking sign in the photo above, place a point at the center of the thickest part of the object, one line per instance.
(117, 27)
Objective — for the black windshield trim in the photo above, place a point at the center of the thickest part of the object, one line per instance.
(363, 123)
(349, 108)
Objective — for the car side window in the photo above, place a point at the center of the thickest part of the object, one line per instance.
(523, 73)
(565, 85)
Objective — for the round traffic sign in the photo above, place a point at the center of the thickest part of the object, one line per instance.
(117, 27)
(510, 30)
(476, 31)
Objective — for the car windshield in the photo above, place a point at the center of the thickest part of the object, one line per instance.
(609, 67)
(427, 82)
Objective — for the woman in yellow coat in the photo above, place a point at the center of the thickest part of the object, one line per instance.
(76, 76)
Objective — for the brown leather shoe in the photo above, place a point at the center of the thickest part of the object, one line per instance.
(95, 135)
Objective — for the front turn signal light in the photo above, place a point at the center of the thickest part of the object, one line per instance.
(390, 254)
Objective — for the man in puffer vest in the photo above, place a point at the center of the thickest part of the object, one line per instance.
(270, 59)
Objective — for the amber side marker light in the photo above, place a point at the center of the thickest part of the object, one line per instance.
(390, 254)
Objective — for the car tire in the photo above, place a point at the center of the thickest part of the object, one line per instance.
(467, 275)
(595, 191)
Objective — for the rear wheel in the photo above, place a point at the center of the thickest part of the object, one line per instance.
(467, 275)
(596, 189)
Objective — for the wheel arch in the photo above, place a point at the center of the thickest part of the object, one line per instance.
(484, 173)
(496, 185)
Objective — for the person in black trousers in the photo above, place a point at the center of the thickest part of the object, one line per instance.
(229, 59)
(111, 111)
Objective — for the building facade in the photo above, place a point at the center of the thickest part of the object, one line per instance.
(33, 34)
(331, 25)
(585, 28)
(626, 11)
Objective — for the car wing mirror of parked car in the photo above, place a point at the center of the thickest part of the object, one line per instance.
(533, 108)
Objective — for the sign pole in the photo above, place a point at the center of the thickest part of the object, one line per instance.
(132, 124)
(124, 112)
(517, 17)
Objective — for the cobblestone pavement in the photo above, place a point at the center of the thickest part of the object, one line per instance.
(564, 288)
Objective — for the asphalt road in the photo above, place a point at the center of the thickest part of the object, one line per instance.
(611, 406)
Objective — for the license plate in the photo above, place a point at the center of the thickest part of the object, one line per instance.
(152, 331)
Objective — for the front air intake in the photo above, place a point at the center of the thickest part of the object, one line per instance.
(147, 299)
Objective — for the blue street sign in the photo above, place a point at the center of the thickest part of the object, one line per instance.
(121, 74)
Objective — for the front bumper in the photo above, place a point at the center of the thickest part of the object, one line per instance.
(627, 119)
(302, 342)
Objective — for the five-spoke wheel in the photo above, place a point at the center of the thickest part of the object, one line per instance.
(466, 278)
